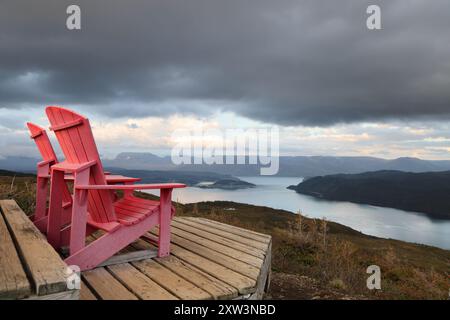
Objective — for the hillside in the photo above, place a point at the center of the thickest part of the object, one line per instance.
(426, 192)
(7, 173)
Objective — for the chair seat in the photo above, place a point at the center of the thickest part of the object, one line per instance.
(131, 210)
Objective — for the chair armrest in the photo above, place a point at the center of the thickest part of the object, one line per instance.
(73, 167)
(45, 162)
(113, 178)
(131, 186)
(43, 168)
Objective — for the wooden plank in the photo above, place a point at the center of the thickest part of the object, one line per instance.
(42, 263)
(169, 280)
(225, 241)
(216, 288)
(86, 293)
(225, 234)
(13, 280)
(242, 283)
(228, 227)
(249, 259)
(129, 257)
(231, 263)
(106, 286)
(140, 284)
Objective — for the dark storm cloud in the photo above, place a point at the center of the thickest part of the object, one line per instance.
(288, 62)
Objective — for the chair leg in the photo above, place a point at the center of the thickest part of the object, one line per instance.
(127, 193)
(55, 209)
(79, 213)
(67, 214)
(41, 199)
(164, 222)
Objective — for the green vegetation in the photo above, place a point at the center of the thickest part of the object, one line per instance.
(20, 187)
(312, 258)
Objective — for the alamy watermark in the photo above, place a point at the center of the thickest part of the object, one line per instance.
(373, 21)
(73, 20)
(253, 146)
(374, 280)
(73, 279)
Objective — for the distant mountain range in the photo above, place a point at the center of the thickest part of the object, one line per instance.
(426, 192)
(301, 166)
(7, 173)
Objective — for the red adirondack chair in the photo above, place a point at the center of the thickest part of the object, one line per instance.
(93, 208)
(40, 137)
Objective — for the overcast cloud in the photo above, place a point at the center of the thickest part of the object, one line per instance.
(287, 62)
(140, 69)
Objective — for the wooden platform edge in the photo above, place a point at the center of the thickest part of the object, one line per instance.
(65, 295)
(263, 281)
(47, 284)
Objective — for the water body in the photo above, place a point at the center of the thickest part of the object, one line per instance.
(372, 220)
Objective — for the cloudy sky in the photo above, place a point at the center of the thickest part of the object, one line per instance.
(141, 69)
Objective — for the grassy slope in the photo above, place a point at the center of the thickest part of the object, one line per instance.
(313, 258)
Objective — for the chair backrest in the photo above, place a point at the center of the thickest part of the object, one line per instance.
(75, 137)
(40, 137)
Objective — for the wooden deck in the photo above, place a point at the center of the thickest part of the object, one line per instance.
(209, 260)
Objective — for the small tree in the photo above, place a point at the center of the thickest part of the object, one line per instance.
(324, 231)
(178, 208)
(195, 209)
(299, 222)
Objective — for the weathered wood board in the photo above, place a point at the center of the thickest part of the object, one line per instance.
(29, 267)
